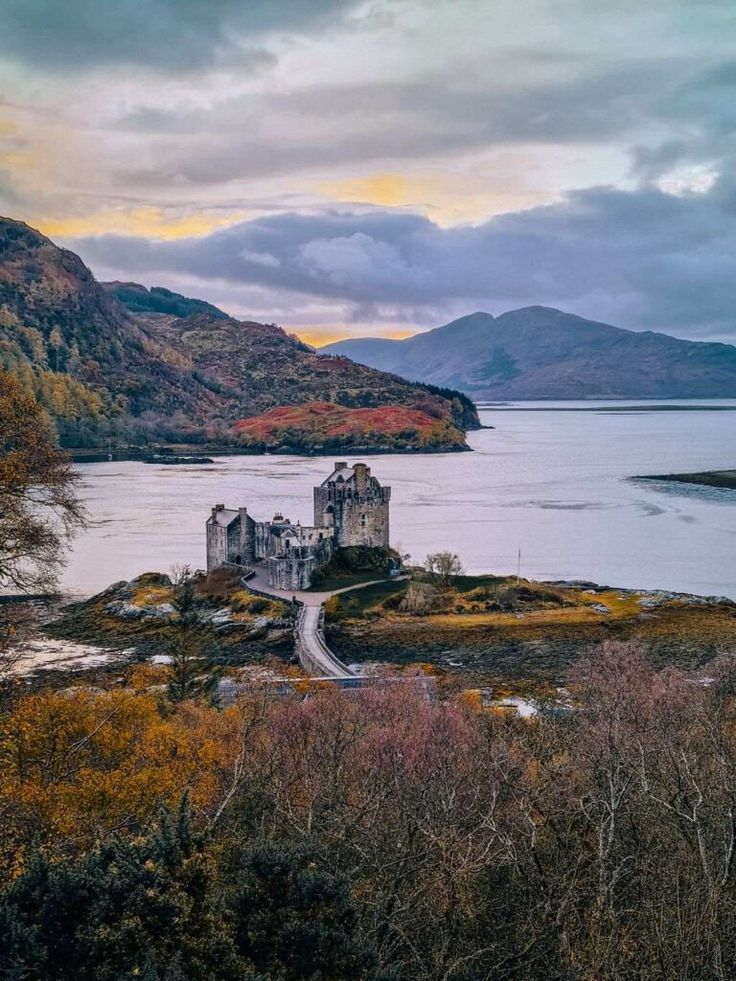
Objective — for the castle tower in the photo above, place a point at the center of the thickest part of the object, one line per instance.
(230, 537)
(353, 503)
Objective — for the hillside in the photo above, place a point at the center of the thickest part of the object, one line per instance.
(542, 353)
(390, 427)
(132, 365)
(139, 299)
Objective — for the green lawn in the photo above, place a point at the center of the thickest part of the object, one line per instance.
(357, 602)
(331, 583)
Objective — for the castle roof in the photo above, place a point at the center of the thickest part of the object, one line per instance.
(283, 530)
(344, 473)
(223, 517)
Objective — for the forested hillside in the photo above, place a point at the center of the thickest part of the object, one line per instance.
(131, 365)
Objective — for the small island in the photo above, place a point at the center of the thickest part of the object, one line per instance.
(709, 478)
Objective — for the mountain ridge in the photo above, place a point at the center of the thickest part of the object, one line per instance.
(539, 352)
(136, 371)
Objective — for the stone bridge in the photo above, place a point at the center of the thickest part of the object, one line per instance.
(315, 657)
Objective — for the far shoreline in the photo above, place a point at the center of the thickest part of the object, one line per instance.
(197, 451)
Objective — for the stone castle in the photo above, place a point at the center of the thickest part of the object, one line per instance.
(350, 508)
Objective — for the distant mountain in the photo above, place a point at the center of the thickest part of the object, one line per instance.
(542, 353)
(136, 365)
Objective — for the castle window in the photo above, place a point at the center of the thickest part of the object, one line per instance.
(362, 521)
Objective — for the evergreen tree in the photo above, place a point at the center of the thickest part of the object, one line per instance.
(143, 908)
(195, 668)
(293, 920)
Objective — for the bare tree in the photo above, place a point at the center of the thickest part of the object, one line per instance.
(444, 568)
(39, 508)
(13, 632)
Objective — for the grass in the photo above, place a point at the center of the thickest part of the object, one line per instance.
(152, 595)
(247, 605)
(465, 584)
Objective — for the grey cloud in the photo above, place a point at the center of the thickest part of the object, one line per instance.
(701, 108)
(59, 35)
(254, 136)
(641, 259)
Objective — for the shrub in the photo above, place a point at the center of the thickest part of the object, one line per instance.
(420, 598)
(218, 584)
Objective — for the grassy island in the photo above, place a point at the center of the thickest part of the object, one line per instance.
(490, 631)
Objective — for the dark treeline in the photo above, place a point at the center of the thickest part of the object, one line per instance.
(375, 835)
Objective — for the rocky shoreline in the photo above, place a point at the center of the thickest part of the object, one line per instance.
(97, 455)
(526, 645)
(133, 621)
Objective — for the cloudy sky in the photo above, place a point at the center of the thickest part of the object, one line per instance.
(378, 167)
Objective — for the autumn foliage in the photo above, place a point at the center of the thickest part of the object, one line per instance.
(381, 834)
(326, 424)
(39, 510)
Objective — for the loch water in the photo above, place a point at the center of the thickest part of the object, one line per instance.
(553, 480)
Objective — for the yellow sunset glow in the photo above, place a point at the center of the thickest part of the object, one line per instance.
(148, 221)
(318, 338)
(389, 190)
(446, 198)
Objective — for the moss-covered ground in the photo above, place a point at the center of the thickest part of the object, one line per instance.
(487, 632)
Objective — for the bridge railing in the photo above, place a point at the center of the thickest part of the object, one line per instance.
(229, 690)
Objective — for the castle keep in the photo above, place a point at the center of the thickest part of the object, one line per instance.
(350, 508)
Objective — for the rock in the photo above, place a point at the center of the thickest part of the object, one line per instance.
(124, 610)
(276, 636)
(658, 597)
(162, 611)
(600, 608)
(216, 617)
(221, 616)
(119, 590)
(585, 584)
(259, 627)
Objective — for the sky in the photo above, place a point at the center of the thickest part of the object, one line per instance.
(380, 167)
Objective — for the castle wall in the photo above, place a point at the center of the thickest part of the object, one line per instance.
(363, 522)
(293, 570)
(270, 540)
(264, 541)
(245, 545)
(217, 553)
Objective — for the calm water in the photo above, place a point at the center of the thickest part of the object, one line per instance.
(549, 482)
